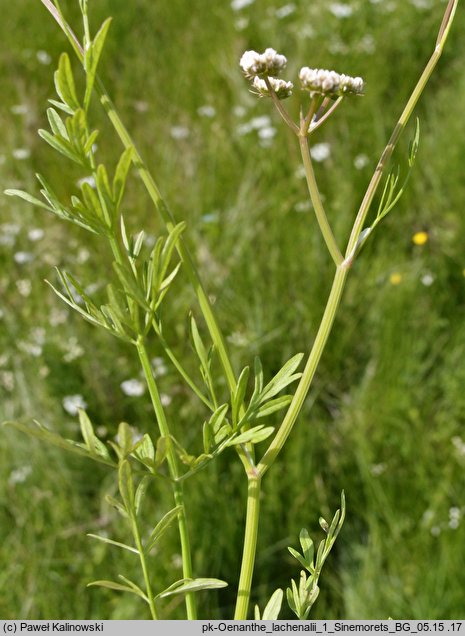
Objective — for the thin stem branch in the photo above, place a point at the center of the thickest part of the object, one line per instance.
(145, 570)
(314, 126)
(317, 202)
(174, 472)
(398, 130)
(250, 547)
(305, 122)
(280, 108)
(182, 372)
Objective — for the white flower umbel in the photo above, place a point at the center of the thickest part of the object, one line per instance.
(282, 88)
(267, 63)
(329, 83)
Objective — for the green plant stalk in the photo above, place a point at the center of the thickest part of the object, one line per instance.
(342, 270)
(161, 207)
(400, 126)
(171, 456)
(250, 547)
(145, 570)
(182, 372)
(174, 472)
(312, 363)
(330, 312)
(317, 203)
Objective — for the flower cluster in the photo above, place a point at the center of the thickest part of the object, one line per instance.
(266, 64)
(316, 81)
(329, 83)
(282, 88)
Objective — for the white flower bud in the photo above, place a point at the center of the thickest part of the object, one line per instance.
(282, 88)
(329, 83)
(269, 62)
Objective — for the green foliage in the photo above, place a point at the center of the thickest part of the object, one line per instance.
(388, 397)
(302, 597)
(272, 609)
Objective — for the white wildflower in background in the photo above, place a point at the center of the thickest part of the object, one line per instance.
(428, 517)
(329, 83)
(179, 132)
(72, 403)
(19, 475)
(36, 234)
(24, 287)
(141, 106)
(256, 123)
(89, 180)
(176, 561)
(7, 380)
(427, 279)
(10, 229)
(361, 161)
(241, 23)
(340, 10)
(73, 350)
(268, 63)
(57, 317)
(282, 88)
(237, 5)
(422, 4)
(299, 172)
(43, 57)
(239, 111)
(459, 445)
(377, 469)
(21, 154)
(133, 387)
(83, 255)
(266, 136)
(285, 10)
(367, 44)
(23, 257)
(158, 366)
(30, 348)
(320, 152)
(19, 109)
(165, 399)
(303, 206)
(206, 111)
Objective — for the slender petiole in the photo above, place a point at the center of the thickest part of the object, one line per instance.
(316, 124)
(280, 108)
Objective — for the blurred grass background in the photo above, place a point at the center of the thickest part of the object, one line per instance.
(385, 417)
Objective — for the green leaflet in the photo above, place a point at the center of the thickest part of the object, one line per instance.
(91, 59)
(64, 83)
(191, 585)
(161, 527)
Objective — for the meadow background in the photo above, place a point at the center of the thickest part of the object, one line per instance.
(385, 419)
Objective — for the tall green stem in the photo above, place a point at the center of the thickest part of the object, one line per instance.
(309, 371)
(250, 546)
(334, 298)
(174, 472)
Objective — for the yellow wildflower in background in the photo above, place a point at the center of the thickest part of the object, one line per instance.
(395, 278)
(420, 238)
